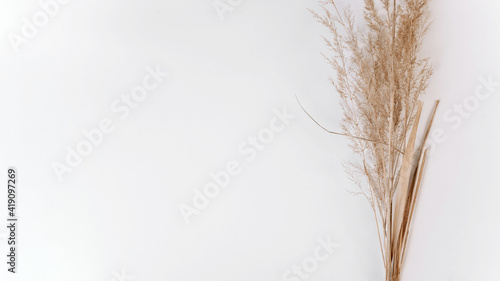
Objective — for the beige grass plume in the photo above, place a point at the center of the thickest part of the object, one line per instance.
(380, 78)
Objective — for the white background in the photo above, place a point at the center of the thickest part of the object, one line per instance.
(119, 209)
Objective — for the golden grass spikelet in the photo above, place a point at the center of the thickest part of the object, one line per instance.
(379, 78)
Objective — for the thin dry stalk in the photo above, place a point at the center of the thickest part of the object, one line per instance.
(380, 78)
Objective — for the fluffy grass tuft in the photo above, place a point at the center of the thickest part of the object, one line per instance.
(380, 78)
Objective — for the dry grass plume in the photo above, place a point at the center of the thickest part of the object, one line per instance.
(380, 78)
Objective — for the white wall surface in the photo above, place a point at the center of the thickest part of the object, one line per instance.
(116, 214)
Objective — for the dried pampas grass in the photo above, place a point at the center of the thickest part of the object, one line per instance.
(380, 78)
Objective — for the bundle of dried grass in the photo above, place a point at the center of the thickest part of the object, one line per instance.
(380, 78)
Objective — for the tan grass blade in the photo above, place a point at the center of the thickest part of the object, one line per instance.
(414, 186)
(412, 207)
(418, 153)
(404, 175)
